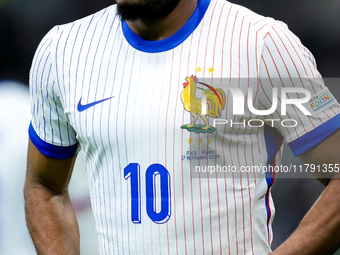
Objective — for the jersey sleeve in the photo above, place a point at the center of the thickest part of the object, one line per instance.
(290, 68)
(49, 130)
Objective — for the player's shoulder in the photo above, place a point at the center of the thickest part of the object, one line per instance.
(256, 22)
(80, 27)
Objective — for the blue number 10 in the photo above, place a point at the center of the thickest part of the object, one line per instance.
(133, 171)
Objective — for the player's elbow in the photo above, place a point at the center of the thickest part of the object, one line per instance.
(35, 190)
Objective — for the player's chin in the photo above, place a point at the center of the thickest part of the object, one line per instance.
(129, 1)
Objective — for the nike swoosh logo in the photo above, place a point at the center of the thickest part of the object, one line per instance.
(81, 107)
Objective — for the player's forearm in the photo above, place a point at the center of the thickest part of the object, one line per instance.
(319, 231)
(51, 221)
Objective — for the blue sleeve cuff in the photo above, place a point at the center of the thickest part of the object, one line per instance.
(50, 150)
(312, 138)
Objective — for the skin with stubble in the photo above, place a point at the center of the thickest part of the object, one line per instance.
(150, 10)
(155, 19)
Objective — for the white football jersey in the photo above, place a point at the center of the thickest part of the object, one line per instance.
(130, 103)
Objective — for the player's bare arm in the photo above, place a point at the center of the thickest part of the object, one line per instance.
(49, 213)
(318, 232)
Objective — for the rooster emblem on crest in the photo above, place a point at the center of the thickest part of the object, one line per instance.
(211, 104)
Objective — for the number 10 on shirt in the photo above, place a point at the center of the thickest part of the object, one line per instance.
(154, 171)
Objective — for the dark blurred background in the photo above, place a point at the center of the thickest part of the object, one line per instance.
(23, 23)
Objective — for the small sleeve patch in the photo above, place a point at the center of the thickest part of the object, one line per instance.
(320, 101)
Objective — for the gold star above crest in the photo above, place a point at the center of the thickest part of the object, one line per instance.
(211, 70)
(198, 69)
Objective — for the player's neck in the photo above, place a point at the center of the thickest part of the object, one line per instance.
(163, 28)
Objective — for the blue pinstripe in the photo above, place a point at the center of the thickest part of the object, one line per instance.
(94, 140)
(56, 61)
(69, 70)
(42, 105)
(41, 82)
(118, 150)
(108, 133)
(105, 155)
(127, 102)
(106, 82)
(76, 80)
